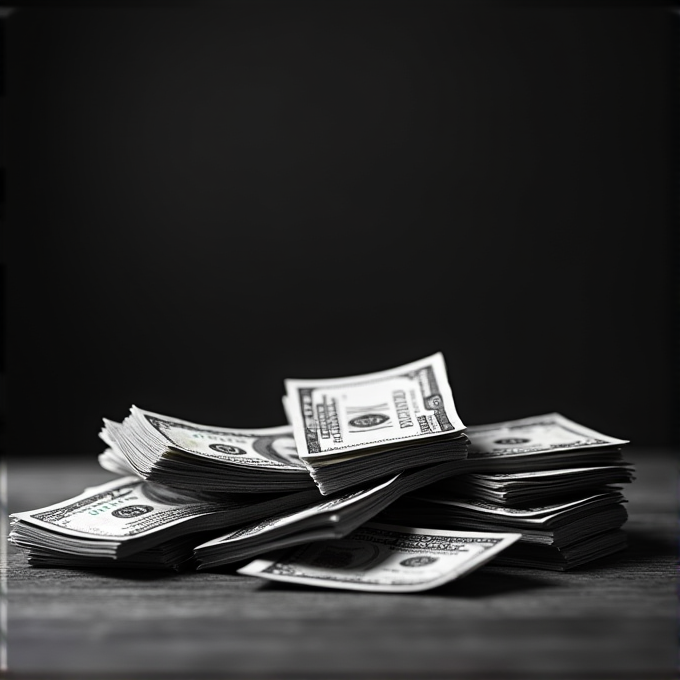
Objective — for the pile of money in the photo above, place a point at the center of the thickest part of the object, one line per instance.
(375, 484)
(350, 430)
(562, 494)
(182, 484)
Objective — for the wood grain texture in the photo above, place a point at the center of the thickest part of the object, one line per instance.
(615, 618)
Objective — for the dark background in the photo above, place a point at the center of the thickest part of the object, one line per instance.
(205, 199)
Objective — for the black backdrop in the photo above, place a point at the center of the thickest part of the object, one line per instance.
(205, 199)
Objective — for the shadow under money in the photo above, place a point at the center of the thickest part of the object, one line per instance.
(472, 586)
(490, 583)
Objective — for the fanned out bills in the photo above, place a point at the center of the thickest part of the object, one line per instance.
(353, 429)
(190, 456)
(383, 558)
(332, 517)
(123, 517)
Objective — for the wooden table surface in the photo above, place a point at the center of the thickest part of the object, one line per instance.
(616, 618)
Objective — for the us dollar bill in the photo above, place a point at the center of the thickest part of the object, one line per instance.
(127, 515)
(335, 416)
(144, 436)
(546, 433)
(190, 456)
(384, 558)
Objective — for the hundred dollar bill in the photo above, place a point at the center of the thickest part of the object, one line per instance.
(193, 456)
(128, 515)
(334, 416)
(551, 432)
(383, 558)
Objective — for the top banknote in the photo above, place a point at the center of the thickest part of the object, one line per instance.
(542, 434)
(338, 416)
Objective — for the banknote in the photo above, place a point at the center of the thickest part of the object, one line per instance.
(551, 432)
(272, 447)
(188, 455)
(334, 416)
(127, 515)
(383, 558)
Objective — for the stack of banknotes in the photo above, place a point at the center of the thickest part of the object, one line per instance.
(552, 480)
(375, 484)
(348, 430)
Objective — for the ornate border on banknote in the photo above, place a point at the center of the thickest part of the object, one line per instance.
(340, 554)
(262, 443)
(425, 378)
(56, 514)
(576, 429)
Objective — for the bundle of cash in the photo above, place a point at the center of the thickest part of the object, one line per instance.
(174, 555)
(515, 489)
(566, 515)
(544, 442)
(110, 523)
(332, 517)
(354, 429)
(563, 558)
(190, 456)
(382, 558)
